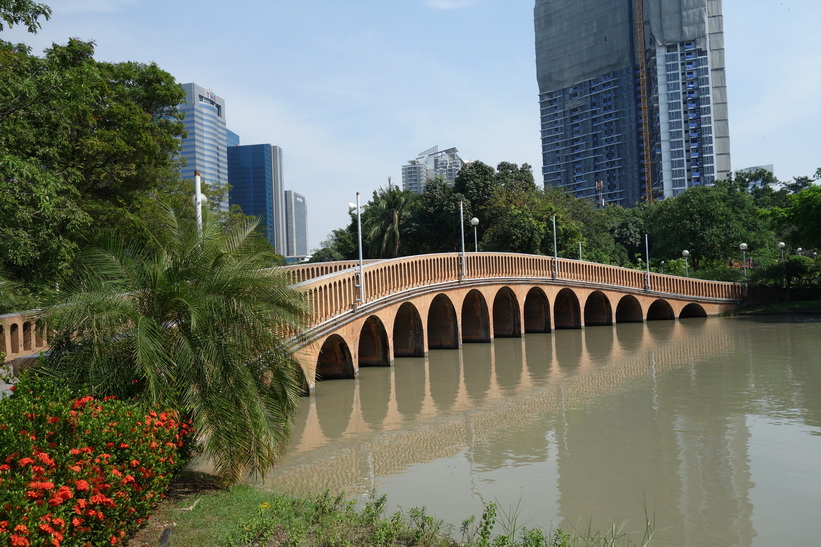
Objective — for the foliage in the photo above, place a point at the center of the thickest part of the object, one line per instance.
(191, 322)
(78, 470)
(340, 245)
(800, 219)
(383, 219)
(23, 12)
(83, 141)
(433, 226)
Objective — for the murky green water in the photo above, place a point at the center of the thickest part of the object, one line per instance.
(711, 427)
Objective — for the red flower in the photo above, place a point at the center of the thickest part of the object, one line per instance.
(17, 540)
(82, 485)
(53, 419)
(25, 461)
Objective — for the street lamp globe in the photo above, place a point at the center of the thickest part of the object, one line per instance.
(781, 246)
(685, 253)
(475, 222)
(743, 248)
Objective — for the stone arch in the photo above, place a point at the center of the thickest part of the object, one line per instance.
(443, 327)
(475, 318)
(334, 360)
(660, 309)
(537, 311)
(567, 310)
(14, 335)
(597, 310)
(507, 321)
(692, 310)
(408, 336)
(374, 349)
(628, 310)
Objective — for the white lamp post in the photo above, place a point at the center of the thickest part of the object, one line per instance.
(685, 253)
(743, 248)
(781, 246)
(360, 299)
(199, 199)
(462, 227)
(475, 222)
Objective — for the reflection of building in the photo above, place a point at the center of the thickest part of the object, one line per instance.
(430, 164)
(255, 173)
(204, 147)
(296, 224)
(588, 64)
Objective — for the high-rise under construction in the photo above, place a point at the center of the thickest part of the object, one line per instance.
(633, 97)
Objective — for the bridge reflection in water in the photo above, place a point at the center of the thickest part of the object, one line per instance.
(598, 416)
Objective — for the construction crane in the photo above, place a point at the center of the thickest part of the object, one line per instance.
(645, 117)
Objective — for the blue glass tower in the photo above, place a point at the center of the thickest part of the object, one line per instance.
(255, 173)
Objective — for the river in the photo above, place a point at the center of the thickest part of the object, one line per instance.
(711, 428)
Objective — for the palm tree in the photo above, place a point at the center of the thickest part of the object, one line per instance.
(193, 322)
(383, 216)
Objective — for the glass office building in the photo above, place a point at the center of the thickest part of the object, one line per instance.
(205, 146)
(588, 70)
(255, 172)
(296, 225)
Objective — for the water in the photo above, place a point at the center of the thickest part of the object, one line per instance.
(709, 427)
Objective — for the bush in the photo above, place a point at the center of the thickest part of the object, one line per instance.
(75, 470)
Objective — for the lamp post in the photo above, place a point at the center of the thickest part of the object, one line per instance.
(199, 199)
(647, 255)
(360, 299)
(743, 248)
(799, 250)
(555, 251)
(475, 222)
(685, 253)
(781, 246)
(462, 227)
(662, 266)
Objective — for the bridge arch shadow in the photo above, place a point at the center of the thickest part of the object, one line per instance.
(374, 349)
(335, 360)
(692, 310)
(408, 336)
(660, 310)
(628, 310)
(567, 310)
(443, 327)
(506, 316)
(597, 310)
(537, 311)
(475, 318)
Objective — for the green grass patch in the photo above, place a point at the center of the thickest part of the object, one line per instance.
(788, 307)
(198, 512)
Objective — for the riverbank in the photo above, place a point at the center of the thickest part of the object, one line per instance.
(198, 512)
(810, 307)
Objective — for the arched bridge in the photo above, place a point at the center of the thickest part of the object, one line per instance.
(414, 304)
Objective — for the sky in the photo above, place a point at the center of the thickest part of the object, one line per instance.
(351, 90)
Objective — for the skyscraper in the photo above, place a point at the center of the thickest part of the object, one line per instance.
(296, 225)
(205, 146)
(430, 164)
(255, 172)
(594, 113)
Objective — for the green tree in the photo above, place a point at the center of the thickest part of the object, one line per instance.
(433, 223)
(93, 142)
(339, 245)
(800, 220)
(23, 12)
(383, 221)
(195, 323)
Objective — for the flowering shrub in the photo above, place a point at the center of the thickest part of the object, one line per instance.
(79, 470)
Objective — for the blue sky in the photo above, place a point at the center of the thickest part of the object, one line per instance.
(351, 90)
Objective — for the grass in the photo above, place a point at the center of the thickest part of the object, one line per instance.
(198, 512)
